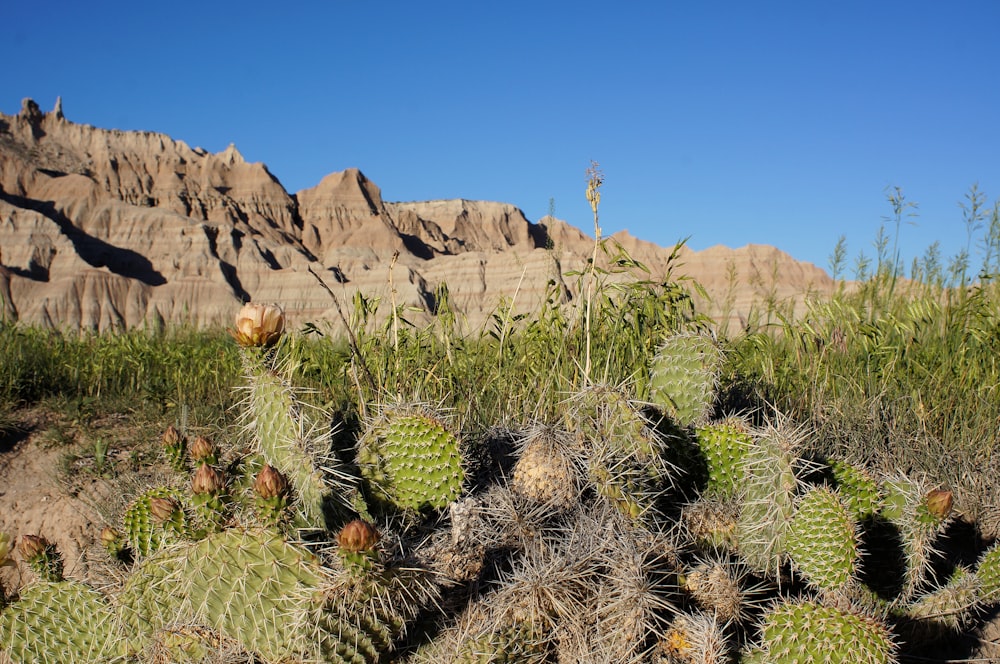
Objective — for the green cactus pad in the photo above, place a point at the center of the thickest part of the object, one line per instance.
(281, 430)
(683, 377)
(858, 489)
(823, 541)
(769, 495)
(806, 632)
(944, 611)
(724, 446)
(253, 587)
(988, 573)
(64, 621)
(410, 459)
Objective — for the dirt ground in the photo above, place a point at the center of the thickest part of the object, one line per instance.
(55, 482)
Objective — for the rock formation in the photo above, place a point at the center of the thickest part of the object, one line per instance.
(105, 229)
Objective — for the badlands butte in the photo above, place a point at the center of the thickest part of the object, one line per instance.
(104, 229)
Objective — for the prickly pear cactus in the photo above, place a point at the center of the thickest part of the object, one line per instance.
(805, 632)
(280, 429)
(154, 519)
(858, 489)
(769, 496)
(823, 540)
(944, 611)
(724, 446)
(988, 573)
(411, 459)
(683, 378)
(62, 621)
(253, 587)
(625, 458)
(545, 471)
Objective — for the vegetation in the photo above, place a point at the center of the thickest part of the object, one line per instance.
(605, 480)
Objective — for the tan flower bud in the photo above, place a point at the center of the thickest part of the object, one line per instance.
(270, 483)
(172, 437)
(207, 480)
(358, 536)
(5, 550)
(203, 450)
(939, 503)
(259, 325)
(163, 509)
(32, 546)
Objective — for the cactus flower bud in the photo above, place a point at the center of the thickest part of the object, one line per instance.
(31, 547)
(358, 536)
(259, 325)
(172, 437)
(112, 541)
(5, 550)
(163, 509)
(202, 450)
(207, 480)
(270, 483)
(939, 502)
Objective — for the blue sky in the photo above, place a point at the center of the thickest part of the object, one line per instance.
(778, 123)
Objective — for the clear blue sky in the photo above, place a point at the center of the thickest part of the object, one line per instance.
(736, 122)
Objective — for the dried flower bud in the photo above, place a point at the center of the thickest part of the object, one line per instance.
(5, 550)
(207, 480)
(163, 509)
(32, 546)
(270, 483)
(202, 450)
(358, 536)
(172, 437)
(259, 325)
(939, 502)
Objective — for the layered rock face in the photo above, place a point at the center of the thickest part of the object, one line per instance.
(103, 230)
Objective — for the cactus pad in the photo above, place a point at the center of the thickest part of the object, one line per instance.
(823, 540)
(683, 378)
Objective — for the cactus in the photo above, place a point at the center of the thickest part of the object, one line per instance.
(683, 377)
(711, 524)
(410, 459)
(42, 557)
(626, 459)
(724, 446)
(281, 431)
(917, 513)
(545, 471)
(823, 540)
(944, 611)
(208, 489)
(805, 632)
(694, 638)
(174, 445)
(769, 496)
(60, 621)
(154, 518)
(252, 587)
(720, 587)
(858, 489)
(988, 573)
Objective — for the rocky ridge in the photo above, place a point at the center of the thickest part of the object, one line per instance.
(105, 229)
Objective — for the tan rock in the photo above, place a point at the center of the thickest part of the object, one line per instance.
(104, 229)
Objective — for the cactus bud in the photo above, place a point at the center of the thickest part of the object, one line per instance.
(5, 550)
(32, 546)
(41, 557)
(270, 483)
(207, 480)
(258, 325)
(939, 502)
(203, 450)
(163, 509)
(173, 447)
(112, 541)
(358, 536)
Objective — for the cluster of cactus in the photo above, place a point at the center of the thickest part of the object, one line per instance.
(634, 528)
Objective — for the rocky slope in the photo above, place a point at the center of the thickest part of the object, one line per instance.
(104, 229)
